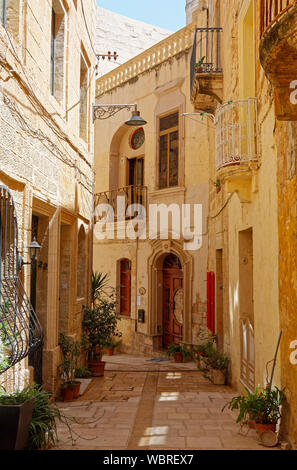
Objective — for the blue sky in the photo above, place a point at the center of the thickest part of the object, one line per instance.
(168, 14)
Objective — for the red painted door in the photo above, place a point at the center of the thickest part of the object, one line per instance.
(172, 301)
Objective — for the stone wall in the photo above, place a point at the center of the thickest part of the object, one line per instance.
(44, 161)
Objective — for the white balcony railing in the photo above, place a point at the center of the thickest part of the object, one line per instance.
(236, 133)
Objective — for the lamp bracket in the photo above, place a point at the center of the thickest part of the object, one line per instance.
(105, 111)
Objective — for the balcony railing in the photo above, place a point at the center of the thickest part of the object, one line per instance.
(207, 51)
(271, 10)
(131, 194)
(20, 330)
(236, 133)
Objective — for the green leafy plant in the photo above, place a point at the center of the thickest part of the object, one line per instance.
(43, 426)
(7, 336)
(82, 373)
(178, 348)
(100, 286)
(101, 320)
(71, 351)
(263, 407)
(217, 360)
(200, 62)
(112, 344)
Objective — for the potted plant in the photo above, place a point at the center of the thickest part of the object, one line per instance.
(43, 426)
(201, 356)
(262, 408)
(71, 351)
(100, 322)
(218, 364)
(218, 185)
(15, 417)
(179, 352)
(82, 373)
(111, 346)
(198, 65)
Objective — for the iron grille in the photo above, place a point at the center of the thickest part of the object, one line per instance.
(207, 47)
(20, 330)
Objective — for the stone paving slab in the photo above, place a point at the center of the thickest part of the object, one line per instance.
(172, 409)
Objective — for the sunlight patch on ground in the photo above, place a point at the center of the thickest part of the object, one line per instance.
(173, 376)
(154, 436)
(169, 396)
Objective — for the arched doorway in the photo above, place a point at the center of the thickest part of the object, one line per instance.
(173, 300)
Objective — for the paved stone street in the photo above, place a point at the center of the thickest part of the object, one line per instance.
(141, 405)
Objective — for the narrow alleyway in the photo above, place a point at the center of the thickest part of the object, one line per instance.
(141, 405)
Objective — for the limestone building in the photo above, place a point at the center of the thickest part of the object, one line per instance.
(225, 86)
(162, 295)
(46, 168)
(252, 249)
(125, 36)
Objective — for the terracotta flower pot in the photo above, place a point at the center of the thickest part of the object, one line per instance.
(68, 394)
(178, 357)
(218, 377)
(260, 428)
(97, 368)
(110, 352)
(76, 390)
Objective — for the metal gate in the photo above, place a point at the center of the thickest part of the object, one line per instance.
(20, 331)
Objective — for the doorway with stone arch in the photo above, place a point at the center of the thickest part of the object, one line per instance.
(170, 300)
(173, 301)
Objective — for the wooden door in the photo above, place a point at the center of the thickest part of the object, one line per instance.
(172, 301)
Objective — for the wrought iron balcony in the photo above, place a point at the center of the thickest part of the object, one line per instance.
(131, 195)
(236, 134)
(278, 52)
(237, 159)
(206, 79)
(272, 10)
(20, 330)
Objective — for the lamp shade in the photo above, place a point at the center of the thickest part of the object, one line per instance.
(34, 248)
(136, 120)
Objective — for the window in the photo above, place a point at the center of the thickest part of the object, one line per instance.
(168, 151)
(57, 50)
(135, 171)
(83, 109)
(9, 15)
(125, 287)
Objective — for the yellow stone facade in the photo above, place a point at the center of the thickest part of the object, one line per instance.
(158, 80)
(46, 147)
(239, 161)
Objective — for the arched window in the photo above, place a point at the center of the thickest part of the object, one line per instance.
(81, 263)
(125, 287)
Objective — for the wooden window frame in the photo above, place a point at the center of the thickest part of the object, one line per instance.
(125, 313)
(140, 157)
(168, 132)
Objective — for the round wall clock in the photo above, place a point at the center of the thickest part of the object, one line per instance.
(137, 138)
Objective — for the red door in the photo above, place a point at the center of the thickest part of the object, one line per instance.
(172, 301)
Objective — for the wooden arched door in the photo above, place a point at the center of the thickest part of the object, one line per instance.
(173, 300)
